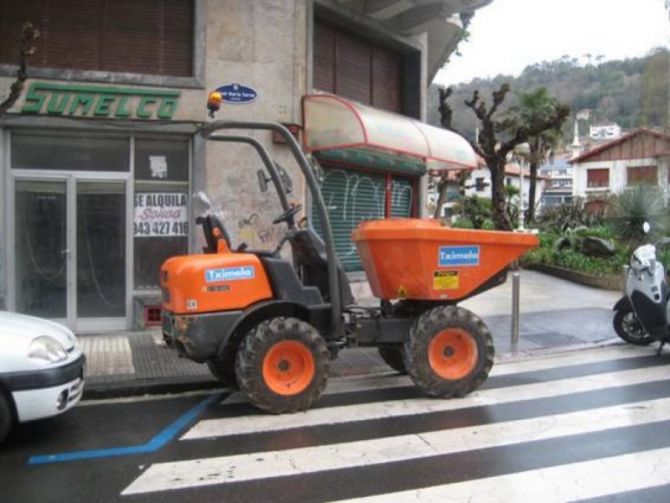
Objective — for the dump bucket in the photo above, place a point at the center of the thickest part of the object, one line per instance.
(423, 259)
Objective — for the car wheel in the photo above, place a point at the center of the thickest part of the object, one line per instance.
(6, 416)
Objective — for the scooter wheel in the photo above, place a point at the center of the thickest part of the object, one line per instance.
(628, 327)
(448, 352)
(282, 366)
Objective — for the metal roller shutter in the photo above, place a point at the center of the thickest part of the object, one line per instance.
(352, 197)
(402, 197)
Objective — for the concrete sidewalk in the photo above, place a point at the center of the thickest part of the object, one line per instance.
(556, 315)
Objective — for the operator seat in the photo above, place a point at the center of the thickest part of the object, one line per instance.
(309, 257)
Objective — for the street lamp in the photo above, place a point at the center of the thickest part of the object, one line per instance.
(521, 152)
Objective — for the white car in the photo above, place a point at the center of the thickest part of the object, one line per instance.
(41, 369)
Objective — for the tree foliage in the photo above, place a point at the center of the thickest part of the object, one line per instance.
(500, 132)
(531, 105)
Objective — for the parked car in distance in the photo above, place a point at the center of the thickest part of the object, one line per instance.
(41, 370)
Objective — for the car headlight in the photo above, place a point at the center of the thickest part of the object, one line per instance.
(48, 349)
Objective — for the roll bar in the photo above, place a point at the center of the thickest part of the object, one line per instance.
(265, 157)
(208, 131)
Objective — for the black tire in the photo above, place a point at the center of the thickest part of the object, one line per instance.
(6, 416)
(628, 327)
(471, 352)
(251, 365)
(394, 357)
(224, 371)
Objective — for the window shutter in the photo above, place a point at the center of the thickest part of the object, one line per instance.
(137, 36)
(324, 58)
(386, 80)
(357, 69)
(353, 73)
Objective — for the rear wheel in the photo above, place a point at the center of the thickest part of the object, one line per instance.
(394, 357)
(627, 326)
(282, 365)
(449, 352)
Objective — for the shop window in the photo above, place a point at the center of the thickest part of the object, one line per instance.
(596, 178)
(71, 152)
(161, 220)
(152, 37)
(642, 174)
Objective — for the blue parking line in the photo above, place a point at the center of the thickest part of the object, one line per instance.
(152, 445)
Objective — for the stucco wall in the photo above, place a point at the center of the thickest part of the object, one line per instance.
(617, 175)
(260, 44)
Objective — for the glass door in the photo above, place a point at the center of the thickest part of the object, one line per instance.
(101, 249)
(40, 248)
(70, 250)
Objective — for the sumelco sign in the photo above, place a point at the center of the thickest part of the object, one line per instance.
(100, 101)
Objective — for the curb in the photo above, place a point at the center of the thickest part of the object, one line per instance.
(139, 387)
(612, 282)
(556, 351)
(174, 385)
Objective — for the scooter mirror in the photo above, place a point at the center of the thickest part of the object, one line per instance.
(262, 181)
(646, 227)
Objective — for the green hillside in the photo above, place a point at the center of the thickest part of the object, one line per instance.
(633, 92)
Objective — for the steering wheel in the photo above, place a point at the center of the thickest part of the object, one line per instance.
(288, 215)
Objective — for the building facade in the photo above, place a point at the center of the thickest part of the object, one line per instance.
(558, 182)
(640, 156)
(101, 154)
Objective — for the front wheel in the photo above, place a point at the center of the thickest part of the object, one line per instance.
(628, 326)
(282, 366)
(448, 352)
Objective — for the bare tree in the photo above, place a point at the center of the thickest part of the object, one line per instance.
(29, 34)
(498, 136)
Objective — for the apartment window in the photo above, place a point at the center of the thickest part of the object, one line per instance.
(596, 178)
(153, 37)
(642, 174)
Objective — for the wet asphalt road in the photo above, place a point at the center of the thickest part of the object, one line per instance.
(367, 437)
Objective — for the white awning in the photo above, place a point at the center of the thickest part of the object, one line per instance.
(332, 122)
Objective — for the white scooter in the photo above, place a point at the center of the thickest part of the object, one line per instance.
(641, 315)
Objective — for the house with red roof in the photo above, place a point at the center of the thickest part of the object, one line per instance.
(640, 156)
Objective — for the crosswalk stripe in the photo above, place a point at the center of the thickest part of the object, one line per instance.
(254, 466)
(226, 426)
(556, 361)
(587, 479)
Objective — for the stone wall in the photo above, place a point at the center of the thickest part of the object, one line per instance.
(262, 45)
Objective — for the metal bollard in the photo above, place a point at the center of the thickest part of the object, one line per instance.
(516, 286)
